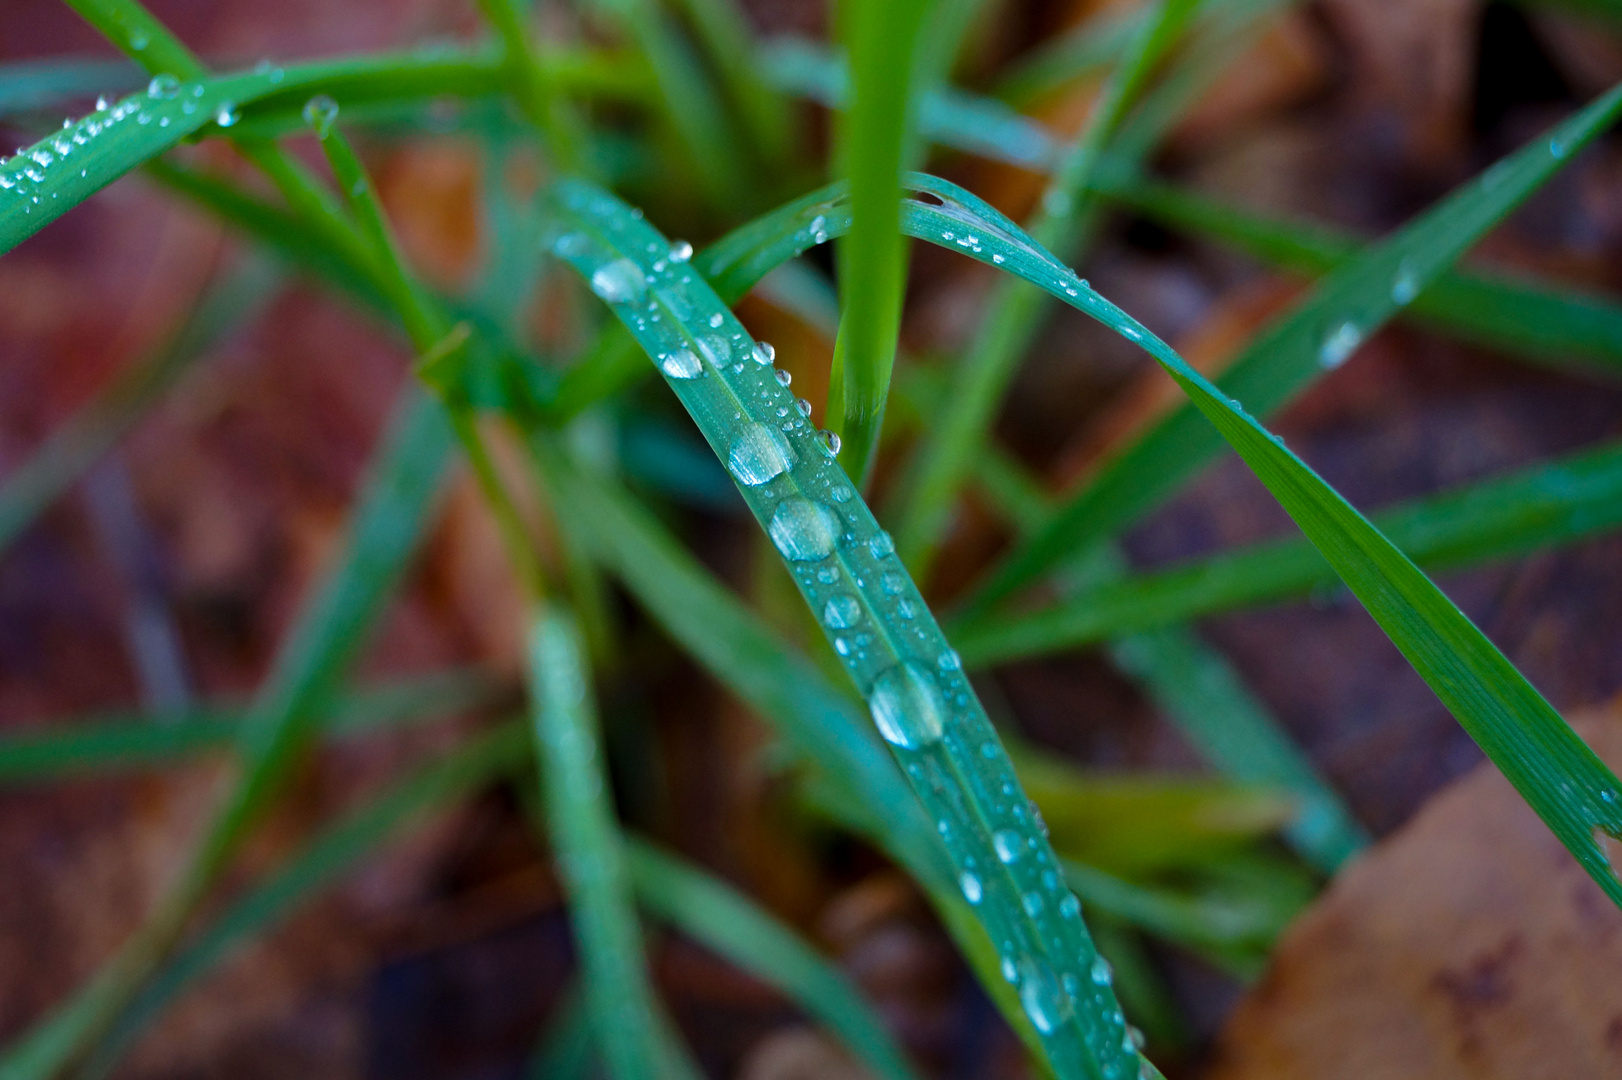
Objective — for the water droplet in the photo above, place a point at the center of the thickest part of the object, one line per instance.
(1070, 907)
(758, 454)
(319, 113)
(998, 259)
(226, 115)
(803, 405)
(804, 531)
(828, 574)
(842, 612)
(572, 243)
(949, 661)
(1132, 332)
(1100, 972)
(1558, 147)
(1340, 345)
(101, 104)
(681, 364)
(681, 251)
(1032, 903)
(881, 544)
(163, 87)
(893, 583)
(1007, 843)
(139, 39)
(784, 378)
(832, 441)
(1133, 1041)
(907, 706)
(1405, 286)
(715, 349)
(716, 320)
(970, 886)
(619, 282)
(1044, 999)
(1608, 795)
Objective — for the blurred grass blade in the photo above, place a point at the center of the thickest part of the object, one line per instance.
(1544, 506)
(1570, 788)
(337, 851)
(872, 614)
(1086, 48)
(566, 1049)
(875, 142)
(1317, 335)
(711, 912)
(44, 84)
(102, 744)
(590, 853)
(70, 450)
(729, 43)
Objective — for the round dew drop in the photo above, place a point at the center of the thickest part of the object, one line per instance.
(619, 282)
(163, 87)
(831, 440)
(763, 352)
(970, 886)
(716, 320)
(319, 113)
(1032, 903)
(881, 544)
(1100, 971)
(681, 364)
(842, 612)
(907, 706)
(892, 583)
(758, 454)
(784, 378)
(1008, 845)
(1044, 999)
(1070, 907)
(1340, 345)
(681, 251)
(804, 531)
(1405, 287)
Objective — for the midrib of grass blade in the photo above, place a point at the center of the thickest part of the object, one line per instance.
(1014, 314)
(94, 429)
(1318, 334)
(872, 614)
(1547, 505)
(1570, 788)
(336, 851)
(712, 912)
(106, 743)
(873, 142)
(591, 854)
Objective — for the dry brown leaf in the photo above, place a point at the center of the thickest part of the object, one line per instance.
(1469, 944)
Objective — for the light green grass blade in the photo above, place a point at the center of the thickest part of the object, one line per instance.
(104, 744)
(872, 614)
(1086, 48)
(337, 851)
(712, 912)
(729, 45)
(98, 425)
(1316, 335)
(531, 74)
(590, 853)
(1554, 771)
(1547, 505)
(874, 143)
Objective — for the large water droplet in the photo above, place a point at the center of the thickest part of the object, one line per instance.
(1100, 971)
(804, 531)
(1340, 344)
(763, 352)
(681, 251)
(163, 87)
(832, 441)
(1008, 844)
(1044, 999)
(715, 349)
(970, 886)
(842, 612)
(319, 113)
(619, 282)
(784, 378)
(892, 583)
(758, 453)
(907, 706)
(682, 364)
(881, 544)
(1405, 286)
(226, 115)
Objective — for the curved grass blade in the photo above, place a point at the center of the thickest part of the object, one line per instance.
(712, 912)
(1545, 506)
(1317, 335)
(1570, 788)
(871, 612)
(327, 858)
(96, 427)
(591, 856)
(112, 743)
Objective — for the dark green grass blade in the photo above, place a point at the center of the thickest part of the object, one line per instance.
(1554, 771)
(872, 615)
(98, 425)
(336, 852)
(1316, 335)
(104, 744)
(1086, 48)
(591, 853)
(730, 47)
(712, 912)
(566, 1049)
(1545, 506)
(874, 143)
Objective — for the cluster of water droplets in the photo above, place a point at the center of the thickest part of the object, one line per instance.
(24, 175)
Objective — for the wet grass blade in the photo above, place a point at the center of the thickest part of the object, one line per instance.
(1317, 335)
(874, 143)
(1570, 788)
(591, 855)
(102, 744)
(713, 913)
(1545, 506)
(81, 441)
(871, 613)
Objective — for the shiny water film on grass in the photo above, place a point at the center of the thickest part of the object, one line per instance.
(876, 621)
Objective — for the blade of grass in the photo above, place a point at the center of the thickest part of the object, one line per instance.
(875, 140)
(565, 1050)
(531, 73)
(112, 743)
(712, 912)
(894, 652)
(591, 855)
(729, 43)
(1547, 505)
(81, 440)
(1318, 334)
(43, 84)
(1089, 46)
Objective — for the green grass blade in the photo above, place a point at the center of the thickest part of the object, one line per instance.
(1318, 334)
(136, 33)
(1570, 788)
(1088, 47)
(871, 612)
(325, 860)
(874, 143)
(103, 744)
(1544, 506)
(531, 74)
(712, 912)
(42, 84)
(566, 1049)
(730, 46)
(590, 852)
(98, 425)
